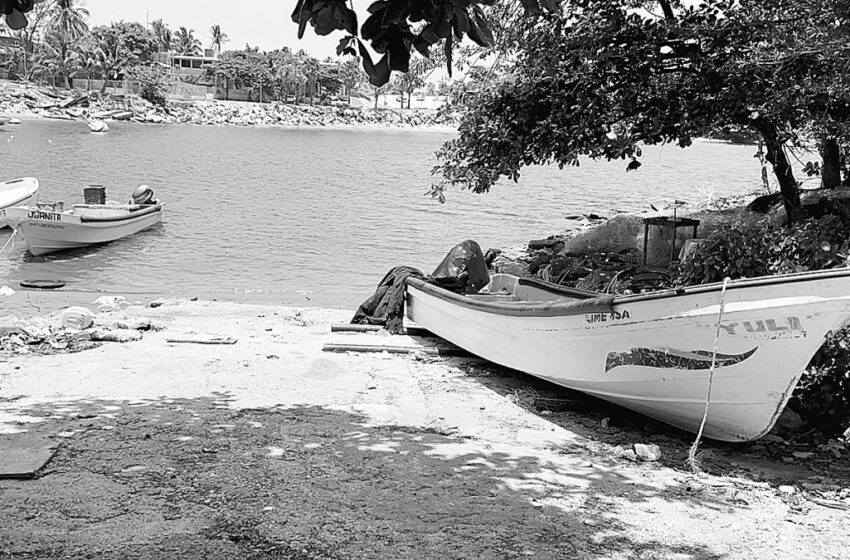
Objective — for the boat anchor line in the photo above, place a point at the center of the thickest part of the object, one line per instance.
(670, 358)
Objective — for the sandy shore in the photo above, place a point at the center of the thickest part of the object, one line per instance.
(271, 447)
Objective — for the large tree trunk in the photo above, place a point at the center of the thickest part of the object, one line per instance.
(781, 168)
(831, 156)
(668, 10)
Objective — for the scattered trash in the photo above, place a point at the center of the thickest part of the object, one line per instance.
(6, 291)
(135, 324)
(802, 454)
(787, 490)
(647, 453)
(115, 335)
(109, 303)
(79, 318)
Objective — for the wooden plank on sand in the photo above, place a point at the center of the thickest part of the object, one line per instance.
(430, 350)
(347, 327)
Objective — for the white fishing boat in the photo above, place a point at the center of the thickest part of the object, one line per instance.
(15, 193)
(653, 353)
(48, 228)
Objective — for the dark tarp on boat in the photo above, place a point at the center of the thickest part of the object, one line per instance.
(463, 270)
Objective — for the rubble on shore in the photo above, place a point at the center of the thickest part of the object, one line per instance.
(28, 100)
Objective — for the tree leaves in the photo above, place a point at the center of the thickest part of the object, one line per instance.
(379, 74)
(325, 16)
(388, 28)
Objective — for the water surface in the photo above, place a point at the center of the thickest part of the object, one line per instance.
(314, 216)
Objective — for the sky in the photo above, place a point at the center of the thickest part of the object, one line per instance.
(263, 23)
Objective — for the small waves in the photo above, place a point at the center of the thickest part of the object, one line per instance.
(311, 216)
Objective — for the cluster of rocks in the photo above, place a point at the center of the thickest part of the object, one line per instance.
(245, 114)
(29, 100)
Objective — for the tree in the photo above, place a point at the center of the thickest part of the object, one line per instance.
(153, 83)
(134, 38)
(53, 58)
(351, 75)
(112, 56)
(602, 80)
(163, 35)
(218, 37)
(389, 29)
(87, 60)
(68, 20)
(37, 22)
(184, 42)
(415, 77)
(245, 69)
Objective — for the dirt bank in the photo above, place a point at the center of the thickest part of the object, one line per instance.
(272, 448)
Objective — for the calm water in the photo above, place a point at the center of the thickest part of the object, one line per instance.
(313, 217)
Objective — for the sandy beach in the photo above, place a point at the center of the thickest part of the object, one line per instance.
(270, 447)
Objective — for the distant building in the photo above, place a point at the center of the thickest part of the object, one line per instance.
(185, 64)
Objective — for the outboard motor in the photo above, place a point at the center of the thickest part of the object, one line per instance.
(143, 194)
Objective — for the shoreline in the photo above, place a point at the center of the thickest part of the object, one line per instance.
(28, 101)
(172, 449)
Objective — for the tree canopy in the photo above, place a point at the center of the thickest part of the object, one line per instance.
(600, 78)
(395, 27)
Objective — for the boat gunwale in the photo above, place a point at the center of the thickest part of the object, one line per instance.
(606, 303)
(133, 214)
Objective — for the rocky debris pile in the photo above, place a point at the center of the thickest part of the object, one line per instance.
(58, 335)
(27, 99)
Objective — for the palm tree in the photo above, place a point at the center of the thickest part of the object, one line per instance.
(163, 34)
(87, 60)
(218, 38)
(54, 58)
(68, 21)
(185, 42)
(111, 55)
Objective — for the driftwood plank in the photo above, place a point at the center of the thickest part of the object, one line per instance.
(430, 350)
(347, 327)
(202, 340)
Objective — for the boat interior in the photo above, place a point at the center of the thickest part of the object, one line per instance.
(506, 288)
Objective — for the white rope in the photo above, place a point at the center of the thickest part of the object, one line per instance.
(9, 242)
(692, 454)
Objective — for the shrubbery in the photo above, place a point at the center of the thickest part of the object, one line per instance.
(153, 83)
(755, 249)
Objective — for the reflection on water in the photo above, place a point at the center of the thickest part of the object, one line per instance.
(314, 216)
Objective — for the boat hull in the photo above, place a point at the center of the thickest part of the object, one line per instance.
(653, 354)
(15, 193)
(49, 232)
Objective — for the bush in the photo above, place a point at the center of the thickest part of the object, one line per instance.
(822, 397)
(756, 249)
(153, 83)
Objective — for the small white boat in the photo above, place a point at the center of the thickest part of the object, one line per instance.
(653, 353)
(96, 125)
(15, 193)
(49, 229)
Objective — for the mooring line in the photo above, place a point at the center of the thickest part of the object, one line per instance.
(692, 459)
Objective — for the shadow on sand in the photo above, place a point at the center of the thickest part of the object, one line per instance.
(197, 479)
